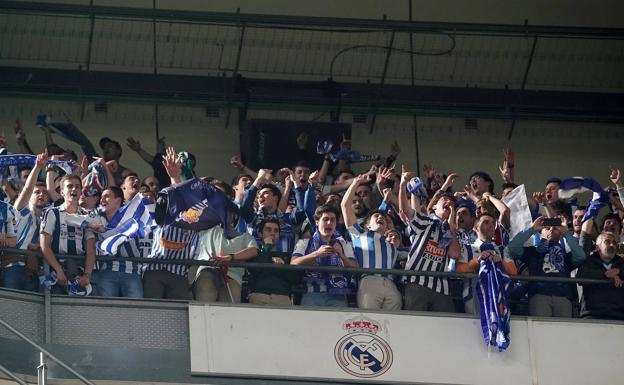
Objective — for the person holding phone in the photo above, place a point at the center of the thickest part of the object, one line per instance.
(554, 253)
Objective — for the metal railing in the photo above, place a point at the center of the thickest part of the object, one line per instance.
(42, 368)
(302, 268)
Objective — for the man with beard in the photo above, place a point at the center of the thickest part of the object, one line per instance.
(577, 216)
(433, 243)
(554, 253)
(372, 251)
(604, 301)
(59, 237)
(324, 248)
(481, 249)
(112, 151)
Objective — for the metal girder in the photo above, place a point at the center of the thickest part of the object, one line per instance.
(232, 18)
(308, 96)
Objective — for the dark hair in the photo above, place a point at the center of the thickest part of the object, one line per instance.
(561, 207)
(486, 214)
(117, 192)
(273, 189)
(322, 209)
(265, 221)
(238, 177)
(446, 194)
(301, 163)
(368, 216)
(613, 216)
(134, 174)
(41, 184)
(508, 185)
(581, 208)
(485, 176)
(22, 168)
(552, 180)
(224, 187)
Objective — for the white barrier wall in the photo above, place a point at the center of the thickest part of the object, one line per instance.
(407, 348)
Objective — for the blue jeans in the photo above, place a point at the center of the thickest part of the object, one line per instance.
(324, 299)
(118, 284)
(14, 277)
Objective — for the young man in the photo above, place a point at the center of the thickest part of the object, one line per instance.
(434, 242)
(481, 249)
(59, 237)
(271, 287)
(550, 256)
(324, 248)
(29, 207)
(268, 197)
(118, 278)
(372, 251)
(130, 186)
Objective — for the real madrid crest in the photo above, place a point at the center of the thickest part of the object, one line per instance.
(362, 353)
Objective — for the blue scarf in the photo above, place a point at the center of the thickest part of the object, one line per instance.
(491, 291)
(447, 235)
(336, 283)
(29, 160)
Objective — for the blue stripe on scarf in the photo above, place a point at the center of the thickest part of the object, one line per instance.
(495, 314)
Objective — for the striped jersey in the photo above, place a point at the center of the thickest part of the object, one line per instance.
(131, 248)
(27, 228)
(371, 249)
(171, 242)
(472, 251)
(66, 238)
(429, 250)
(8, 220)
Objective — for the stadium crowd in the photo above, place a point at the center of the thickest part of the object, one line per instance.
(386, 218)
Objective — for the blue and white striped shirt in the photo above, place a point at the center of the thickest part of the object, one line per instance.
(27, 228)
(371, 249)
(172, 242)
(66, 239)
(8, 220)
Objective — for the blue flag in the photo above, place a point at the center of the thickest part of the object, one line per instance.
(69, 132)
(495, 315)
(197, 205)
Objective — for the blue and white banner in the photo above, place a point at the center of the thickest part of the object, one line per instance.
(130, 221)
(29, 160)
(578, 184)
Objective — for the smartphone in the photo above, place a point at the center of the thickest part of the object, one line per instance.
(551, 222)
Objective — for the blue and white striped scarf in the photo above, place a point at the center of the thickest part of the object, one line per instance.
(495, 315)
(29, 160)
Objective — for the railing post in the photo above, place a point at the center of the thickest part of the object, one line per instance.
(47, 308)
(42, 371)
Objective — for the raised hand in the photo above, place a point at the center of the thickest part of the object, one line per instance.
(448, 183)
(429, 170)
(133, 144)
(539, 197)
(314, 178)
(406, 175)
(172, 163)
(538, 225)
(615, 176)
(42, 159)
(236, 162)
(395, 149)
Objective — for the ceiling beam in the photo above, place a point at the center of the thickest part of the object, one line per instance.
(277, 21)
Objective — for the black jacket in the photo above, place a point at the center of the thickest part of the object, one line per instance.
(602, 301)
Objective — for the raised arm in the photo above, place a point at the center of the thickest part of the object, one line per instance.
(50, 182)
(615, 178)
(236, 162)
(502, 208)
(404, 205)
(135, 146)
(29, 186)
(347, 200)
(20, 138)
(507, 169)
